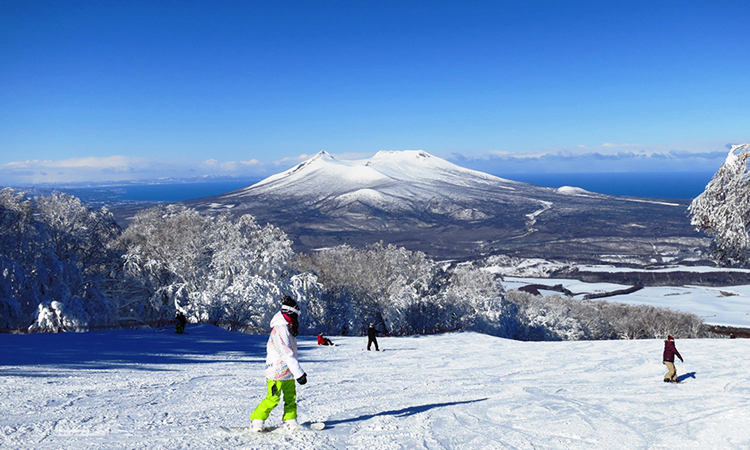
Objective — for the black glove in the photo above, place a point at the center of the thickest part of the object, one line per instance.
(302, 379)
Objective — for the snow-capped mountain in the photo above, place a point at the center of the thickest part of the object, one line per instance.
(423, 202)
(390, 182)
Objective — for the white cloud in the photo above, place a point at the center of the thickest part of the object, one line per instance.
(119, 168)
(110, 162)
(608, 157)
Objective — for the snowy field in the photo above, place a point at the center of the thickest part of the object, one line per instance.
(727, 305)
(153, 389)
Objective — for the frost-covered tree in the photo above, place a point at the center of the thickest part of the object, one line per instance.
(80, 238)
(379, 284)
(212, 268)
(20, 247)
(65, 266)
(474, 299)
(402, 292)
(55, 265)
(555, 317)
(723, 209)
(77, 232)
(165, 254)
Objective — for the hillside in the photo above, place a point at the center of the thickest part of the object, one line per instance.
(422, 202)
(153, 389)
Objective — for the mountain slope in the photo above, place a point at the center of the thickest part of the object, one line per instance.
(422, 202)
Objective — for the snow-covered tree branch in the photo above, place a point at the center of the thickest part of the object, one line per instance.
(56, 263)
(723, 209)
(402, 292)
(555, 317)
(212, 268)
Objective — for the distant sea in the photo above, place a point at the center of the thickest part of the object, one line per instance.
(163, 192)
(674, 185)
(179, 191)
(677, 185)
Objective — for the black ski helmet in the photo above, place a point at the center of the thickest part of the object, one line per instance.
(290, 310)
(288, 305)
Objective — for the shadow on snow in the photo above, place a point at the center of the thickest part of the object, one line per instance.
(409, 411)
(686, 376)
(145, 349)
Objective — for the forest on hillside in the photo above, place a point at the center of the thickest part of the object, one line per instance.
(67, 267)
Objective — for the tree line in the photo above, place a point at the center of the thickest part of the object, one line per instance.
(66, 266)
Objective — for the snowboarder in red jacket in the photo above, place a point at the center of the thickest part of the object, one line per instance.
(669, 353)
(324, 340)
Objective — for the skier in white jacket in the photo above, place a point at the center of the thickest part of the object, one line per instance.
(282, 367)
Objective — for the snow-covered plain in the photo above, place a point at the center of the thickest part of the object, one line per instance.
(726, 305)
(153, 389)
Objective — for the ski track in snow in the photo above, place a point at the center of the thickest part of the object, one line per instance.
(153, 389)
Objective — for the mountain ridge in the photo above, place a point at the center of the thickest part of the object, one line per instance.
(423, 202)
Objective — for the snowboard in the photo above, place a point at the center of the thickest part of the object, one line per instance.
(315, 426)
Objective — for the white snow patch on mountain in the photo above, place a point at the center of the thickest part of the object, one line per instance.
(220, 205)
(636, 200)
(545, 206)
(570, 190)
(384, 168)
(420, 165)
(153, 389)
(366, 196)
(329, 167)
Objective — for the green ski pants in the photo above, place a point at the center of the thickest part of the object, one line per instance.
(273, 396)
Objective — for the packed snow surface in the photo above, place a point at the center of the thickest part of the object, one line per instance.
(153, 389)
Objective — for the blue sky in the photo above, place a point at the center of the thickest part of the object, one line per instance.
(135, 90)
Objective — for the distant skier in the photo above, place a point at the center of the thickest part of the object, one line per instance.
(181, 322)
(372, 335)
(669, 353)
(324, 340)
(282, 367)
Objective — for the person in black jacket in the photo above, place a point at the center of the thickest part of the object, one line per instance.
(372, 335)
(669, 353)
(181, 322)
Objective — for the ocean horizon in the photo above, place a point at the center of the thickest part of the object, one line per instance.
(669, 185)
(676, 185)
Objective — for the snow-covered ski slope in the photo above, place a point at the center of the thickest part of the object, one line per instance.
(153, 389)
